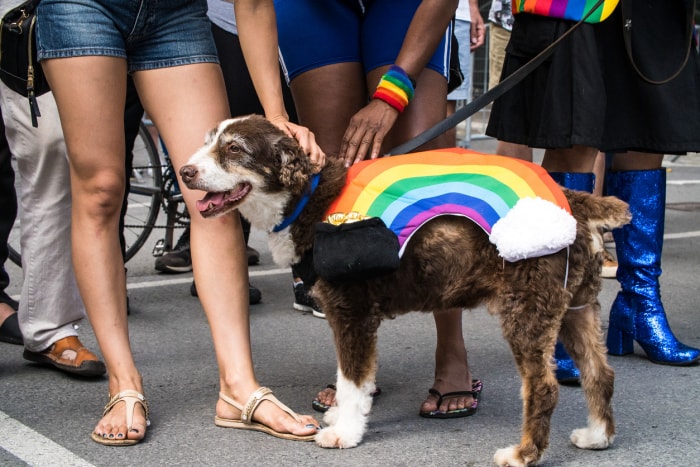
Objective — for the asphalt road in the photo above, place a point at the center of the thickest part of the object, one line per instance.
(46, 416)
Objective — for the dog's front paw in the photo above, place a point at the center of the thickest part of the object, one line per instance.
(591, 438)
(333, 437)
(510, 457)
(331, 416)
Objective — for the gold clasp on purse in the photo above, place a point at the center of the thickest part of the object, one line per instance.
(17, 25)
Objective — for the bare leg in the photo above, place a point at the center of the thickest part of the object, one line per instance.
(218, 249)
(599, 171)
(451, 364)
(579, 159)
(519, 151)
(93, 129)
(636, 161)
(340, 87)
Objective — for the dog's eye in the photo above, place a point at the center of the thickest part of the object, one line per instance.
(234, 149)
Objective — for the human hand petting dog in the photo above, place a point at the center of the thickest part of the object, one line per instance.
(306, 139)
(366, 131)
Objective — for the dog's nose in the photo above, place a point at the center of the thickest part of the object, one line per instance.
(188, 173)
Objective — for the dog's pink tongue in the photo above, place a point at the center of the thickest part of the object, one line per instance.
(210, 200)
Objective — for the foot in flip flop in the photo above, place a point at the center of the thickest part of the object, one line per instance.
(231, 414)
(326, 398)
(69, 355)
(456, 411)
(112, 430)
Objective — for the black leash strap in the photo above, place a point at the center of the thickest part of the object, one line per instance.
(627, 32)
(489, 96)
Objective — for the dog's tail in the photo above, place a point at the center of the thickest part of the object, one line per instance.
(601, 212)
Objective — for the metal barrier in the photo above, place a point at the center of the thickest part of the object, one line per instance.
(475, 126)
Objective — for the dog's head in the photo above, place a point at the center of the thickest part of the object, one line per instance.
(245, 158)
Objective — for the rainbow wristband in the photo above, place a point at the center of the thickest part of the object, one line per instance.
(395, 88)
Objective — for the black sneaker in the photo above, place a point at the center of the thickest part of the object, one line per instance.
(254, 294)
(253, 255)
(179, 259)
(304, 302)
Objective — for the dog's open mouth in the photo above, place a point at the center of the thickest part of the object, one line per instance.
(215, 203)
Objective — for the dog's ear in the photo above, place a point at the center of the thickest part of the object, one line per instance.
(209, 137)
(295, 167)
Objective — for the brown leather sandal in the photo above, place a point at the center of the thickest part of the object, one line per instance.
(85, 362)
(130, 399)
(246, 421)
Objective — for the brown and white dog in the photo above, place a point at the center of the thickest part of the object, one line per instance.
(250, 165)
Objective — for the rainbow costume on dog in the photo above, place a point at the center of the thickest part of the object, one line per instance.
(517, 203)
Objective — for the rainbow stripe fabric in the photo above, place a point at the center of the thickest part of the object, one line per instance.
(566, 9)
(409, 190)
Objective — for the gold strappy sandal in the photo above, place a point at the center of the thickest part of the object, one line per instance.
(130, 398)
(246, 421)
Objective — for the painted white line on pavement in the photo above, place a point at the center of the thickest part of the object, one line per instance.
(682, 182)
(187, 280)
(682, 235)
(33, 448)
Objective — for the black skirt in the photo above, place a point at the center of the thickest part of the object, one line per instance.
(588, 93)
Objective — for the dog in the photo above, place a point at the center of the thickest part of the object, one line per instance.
(249, 164)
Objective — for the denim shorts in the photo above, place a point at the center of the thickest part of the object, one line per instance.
(315, 33)
(147, 34)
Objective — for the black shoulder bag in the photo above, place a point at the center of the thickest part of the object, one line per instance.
(19, 68)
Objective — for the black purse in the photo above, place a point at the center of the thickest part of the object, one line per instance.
(456, 77)
(19, 69)
(353, 251)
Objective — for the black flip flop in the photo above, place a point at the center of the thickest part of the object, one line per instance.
(318, 406)
(459, 413)
(9, 331)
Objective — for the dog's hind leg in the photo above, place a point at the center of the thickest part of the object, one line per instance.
(532, 336)
(582, 337)
(355, 340)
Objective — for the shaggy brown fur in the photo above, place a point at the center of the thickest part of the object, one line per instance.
(448, 263)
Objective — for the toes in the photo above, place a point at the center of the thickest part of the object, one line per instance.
(117, 432)
(326, 397)
(307, 426)
(457, 403)
(430, 404)
(273, 416)
(137, 431)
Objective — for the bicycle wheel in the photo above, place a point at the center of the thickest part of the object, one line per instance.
(143, 204)
(145, 193)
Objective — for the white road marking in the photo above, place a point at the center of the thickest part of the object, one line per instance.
(682, 182)
(33, 448)
(188, 279)
(682, 235)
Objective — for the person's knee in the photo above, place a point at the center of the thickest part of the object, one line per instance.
(102, 195)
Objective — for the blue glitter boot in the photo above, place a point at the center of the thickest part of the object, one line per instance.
(637, 313)
(566, 372)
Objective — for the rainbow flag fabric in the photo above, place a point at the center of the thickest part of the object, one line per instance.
(572, 10)
(517, 203)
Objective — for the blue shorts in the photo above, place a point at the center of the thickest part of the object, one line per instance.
(147, 34)
(315, 33)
